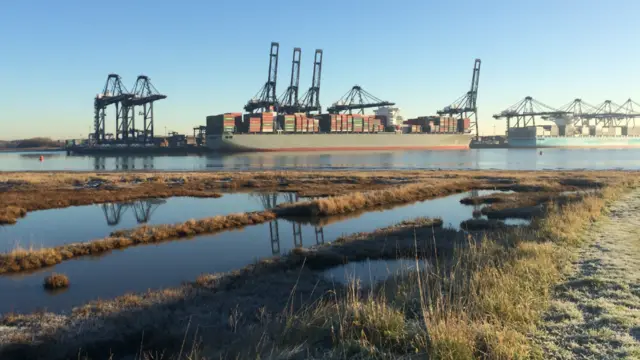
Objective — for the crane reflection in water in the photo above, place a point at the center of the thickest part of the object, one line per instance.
(477, 208)
(271, 200)
(142, 210)
(124, 162)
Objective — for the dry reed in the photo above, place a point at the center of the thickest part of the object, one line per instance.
(56, 281)
(353, 202)
(10, 214)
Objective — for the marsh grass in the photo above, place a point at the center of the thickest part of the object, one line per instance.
(21, 259)
(56, 281)
(353, 202)
(10, 214)
(482, 302)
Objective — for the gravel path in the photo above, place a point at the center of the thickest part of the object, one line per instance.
(596, 312)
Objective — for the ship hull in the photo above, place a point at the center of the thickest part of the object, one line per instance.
(596, 142)
(156, 150)
(336, 142)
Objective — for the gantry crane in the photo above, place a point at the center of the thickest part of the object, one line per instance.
(466, 106)
(581, 111)
(631, 111)
(289, 103)
(311, 99)
(144, 94)
(113, 93)
(266, 98)
(357, 99)
(525, 111)
(606, 113)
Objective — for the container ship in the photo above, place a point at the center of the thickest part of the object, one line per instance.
(561, 136)
(268, 131)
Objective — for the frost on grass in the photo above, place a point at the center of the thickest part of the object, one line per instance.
(596, 313)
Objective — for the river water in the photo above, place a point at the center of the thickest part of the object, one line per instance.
(502, 159)
(168, 264)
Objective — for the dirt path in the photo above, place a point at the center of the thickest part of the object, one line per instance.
(596, 312)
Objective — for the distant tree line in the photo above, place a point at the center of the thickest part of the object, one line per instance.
(37, 142)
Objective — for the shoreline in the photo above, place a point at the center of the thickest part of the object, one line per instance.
(272, 278)
(48, 149)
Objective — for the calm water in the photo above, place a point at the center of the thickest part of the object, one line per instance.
(506, 159)
(48, 228)
(168, 264)
(370, 272)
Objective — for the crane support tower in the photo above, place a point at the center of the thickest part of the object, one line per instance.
(357, 99)
(266, 98)
(311, 99)
(288, 103)
(113, 93)
(467, 105)
(144, 94)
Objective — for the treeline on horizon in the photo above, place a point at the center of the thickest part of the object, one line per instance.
(36, 142)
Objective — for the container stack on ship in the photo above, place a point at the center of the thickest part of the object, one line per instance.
(326, 132)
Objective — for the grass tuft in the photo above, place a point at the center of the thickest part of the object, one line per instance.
(56, 281)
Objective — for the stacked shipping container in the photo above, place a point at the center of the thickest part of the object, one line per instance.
(267, 122)
(223, 123)
(357, 123)
(259, 122)
(443, 124)
(350, 123)
(289, 123)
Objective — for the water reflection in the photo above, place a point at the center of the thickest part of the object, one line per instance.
(274, 233)
(271, 200)
(140, 268)
(123, 162)
(49, 228)
(142, 210)
(505, 159)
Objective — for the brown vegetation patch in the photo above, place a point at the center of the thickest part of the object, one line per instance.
(29, 259)
(56, 281)
(365, 200)
(520, 205)
(10, 214)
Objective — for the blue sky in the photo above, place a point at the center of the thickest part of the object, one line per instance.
(210, 57)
